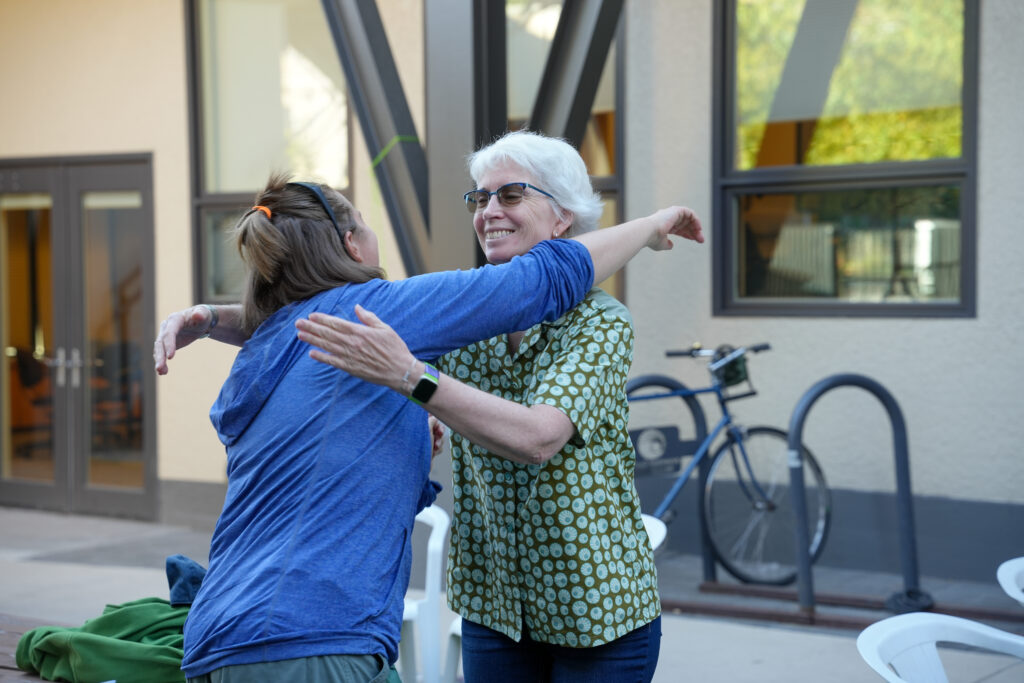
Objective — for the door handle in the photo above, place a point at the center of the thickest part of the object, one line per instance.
(76, 368)
(57, 362)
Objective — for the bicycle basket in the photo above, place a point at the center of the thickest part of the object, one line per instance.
(735, 371)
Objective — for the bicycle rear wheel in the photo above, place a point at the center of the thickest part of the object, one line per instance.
(752, 531)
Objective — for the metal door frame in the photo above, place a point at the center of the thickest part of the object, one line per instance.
(65, 179)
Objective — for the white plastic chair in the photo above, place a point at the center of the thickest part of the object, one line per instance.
(453, 651)
(421, 619)
(1011, 577)
(656, 532)
(901, 649)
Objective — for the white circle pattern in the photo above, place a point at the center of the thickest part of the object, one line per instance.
(560, 545)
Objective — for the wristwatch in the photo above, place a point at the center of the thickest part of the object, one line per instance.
(427, 385)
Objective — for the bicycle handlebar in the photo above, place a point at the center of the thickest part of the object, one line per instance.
(699, 351)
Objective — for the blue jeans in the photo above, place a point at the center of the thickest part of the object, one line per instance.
(489, 656)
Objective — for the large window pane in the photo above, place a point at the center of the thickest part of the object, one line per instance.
(26, 328)
(530, 28)
(224, 279)
(815, 85)
(873, 245)
(273, 94)
(112, 303)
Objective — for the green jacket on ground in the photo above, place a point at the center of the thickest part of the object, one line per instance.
(137, 642)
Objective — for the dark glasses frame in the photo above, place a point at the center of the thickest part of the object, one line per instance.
(477, 200)
(319, 194)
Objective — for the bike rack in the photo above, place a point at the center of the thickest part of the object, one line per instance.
(912, 599)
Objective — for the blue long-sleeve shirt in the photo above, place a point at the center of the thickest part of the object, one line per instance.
(311, 554)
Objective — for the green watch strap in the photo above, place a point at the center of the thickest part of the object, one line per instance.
(427, 385)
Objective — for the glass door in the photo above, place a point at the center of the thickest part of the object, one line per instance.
(28, 373)
(78, 313)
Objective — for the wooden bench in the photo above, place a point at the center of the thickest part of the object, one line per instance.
(11, 630)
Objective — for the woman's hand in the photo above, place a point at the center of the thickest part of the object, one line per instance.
(177, 331)
(675, 220)
(438, 432)
(372, 351)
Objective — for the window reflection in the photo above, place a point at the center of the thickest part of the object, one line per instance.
(225, 276)
(880, 245)
(273, 94)
(824, 88)
(113, 305)
(26, 391)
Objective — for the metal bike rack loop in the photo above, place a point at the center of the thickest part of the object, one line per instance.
(912, 598)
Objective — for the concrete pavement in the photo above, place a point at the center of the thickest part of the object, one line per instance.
(63, 569)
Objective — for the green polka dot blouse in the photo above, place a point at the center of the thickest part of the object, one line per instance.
(559, 545)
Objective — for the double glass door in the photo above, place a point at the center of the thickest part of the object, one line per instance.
(76, 415)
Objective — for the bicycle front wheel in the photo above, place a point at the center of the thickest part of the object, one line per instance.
(747, 511)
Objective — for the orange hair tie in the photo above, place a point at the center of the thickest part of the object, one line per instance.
(264, 209)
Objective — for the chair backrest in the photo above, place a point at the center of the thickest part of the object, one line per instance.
(906, 643)
(438, 521)
(421, 621)
(656, 530)
(1011, 577)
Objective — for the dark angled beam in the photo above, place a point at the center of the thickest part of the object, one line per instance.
(397, 151)
(490, 73)
(573, 70)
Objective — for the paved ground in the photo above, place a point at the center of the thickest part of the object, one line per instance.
(63, 569)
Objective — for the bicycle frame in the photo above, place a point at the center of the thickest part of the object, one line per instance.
(724, 424)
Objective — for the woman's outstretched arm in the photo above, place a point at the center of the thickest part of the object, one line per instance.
(374, 352)
(181, 328)
(610, 249)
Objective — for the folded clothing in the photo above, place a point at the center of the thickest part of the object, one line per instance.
(137, 642)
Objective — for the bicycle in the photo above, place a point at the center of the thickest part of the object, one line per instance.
(744, 506)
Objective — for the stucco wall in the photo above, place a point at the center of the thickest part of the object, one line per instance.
(958, 381)
(106, 78)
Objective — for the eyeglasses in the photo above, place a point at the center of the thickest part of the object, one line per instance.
(509, 195)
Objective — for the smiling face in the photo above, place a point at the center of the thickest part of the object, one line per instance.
(507, 231)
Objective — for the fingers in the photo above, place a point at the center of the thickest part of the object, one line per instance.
(329, 321)
(369, 317)
(326, 358)
(688, 225)
(166, 341)
(326, 338)
(159, 358)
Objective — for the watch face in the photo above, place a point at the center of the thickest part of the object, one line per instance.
(427, 385)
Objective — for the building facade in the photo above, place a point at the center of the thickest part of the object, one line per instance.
(855, 167)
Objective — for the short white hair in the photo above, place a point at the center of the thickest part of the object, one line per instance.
(556, 167)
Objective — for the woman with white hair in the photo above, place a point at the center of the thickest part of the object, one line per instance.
(549, 564)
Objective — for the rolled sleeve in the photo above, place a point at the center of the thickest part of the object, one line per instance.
(587, 381)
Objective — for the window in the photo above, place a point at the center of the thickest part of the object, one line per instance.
(268, 94)
(530, 30)
(845, 158)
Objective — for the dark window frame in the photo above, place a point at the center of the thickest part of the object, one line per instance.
(728, 183)
(204, 203)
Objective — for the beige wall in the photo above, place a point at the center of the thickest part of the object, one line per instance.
(109, 77)
(958, 382)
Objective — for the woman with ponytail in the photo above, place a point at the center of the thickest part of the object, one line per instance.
(310, 557)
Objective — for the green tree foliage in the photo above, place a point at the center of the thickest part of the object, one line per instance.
(895, 93)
